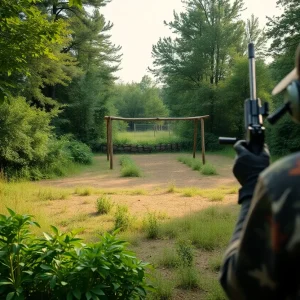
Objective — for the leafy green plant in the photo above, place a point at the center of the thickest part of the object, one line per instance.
(80, 152)
(104, 205)
(151, 225)
(60, 266)
(128, 167)
(122, 218)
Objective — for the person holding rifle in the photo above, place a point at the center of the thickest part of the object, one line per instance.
(262, 260)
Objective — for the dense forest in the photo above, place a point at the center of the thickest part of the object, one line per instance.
(58, 77)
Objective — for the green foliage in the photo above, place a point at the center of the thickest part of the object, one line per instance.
(185, 252)
(208, 169)
(188, 278)
(123, 219)
(60, 266)
(137, 100)
(194, 163)
(26, 36)
(163, 289)
(208, 229)
(151, 225)
(215, 262)
(168, 258)
(104, 205)
(27, 147)
(128, 167)
(80, 152)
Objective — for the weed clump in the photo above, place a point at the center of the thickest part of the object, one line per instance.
(208, 169)
(193, 163)
(104, 205)
(185, 252)
(151, 226)
(122, 218)
(128, 167)
(168, 258)
(188, 278)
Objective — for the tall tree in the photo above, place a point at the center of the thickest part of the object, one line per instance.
(209, 35)
(284, 30)
(26, 35)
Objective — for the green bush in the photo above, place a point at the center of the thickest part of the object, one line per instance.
(128, 167)
(60, 266)
(104, 205)
(208, 169)
(28, 149)
(80, 152)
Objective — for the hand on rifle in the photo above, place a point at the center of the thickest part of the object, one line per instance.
(248, 166)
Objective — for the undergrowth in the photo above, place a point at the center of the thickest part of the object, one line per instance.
(129, 168)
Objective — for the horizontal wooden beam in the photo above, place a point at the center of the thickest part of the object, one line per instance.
(157, 119)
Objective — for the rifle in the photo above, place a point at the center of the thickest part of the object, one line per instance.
(253, 111)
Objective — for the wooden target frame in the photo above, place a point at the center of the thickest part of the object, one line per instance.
(109, 138)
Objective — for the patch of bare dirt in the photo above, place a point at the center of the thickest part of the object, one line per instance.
(159, 170)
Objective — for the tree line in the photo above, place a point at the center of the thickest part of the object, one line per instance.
(58, 76)
(204, 69)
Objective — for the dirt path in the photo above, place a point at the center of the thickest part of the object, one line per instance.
(159, 171)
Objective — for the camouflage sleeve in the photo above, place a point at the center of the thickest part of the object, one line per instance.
(243, 274)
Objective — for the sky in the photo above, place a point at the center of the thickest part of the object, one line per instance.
(138, 24)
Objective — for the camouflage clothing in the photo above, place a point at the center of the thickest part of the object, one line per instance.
(262, 260)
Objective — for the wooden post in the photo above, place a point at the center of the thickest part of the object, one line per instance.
(111, 149)
(195, 137)
(202, 141)
(107, 139)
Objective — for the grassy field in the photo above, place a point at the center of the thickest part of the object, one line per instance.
(185, 249)
(145, 137)
(185, 252)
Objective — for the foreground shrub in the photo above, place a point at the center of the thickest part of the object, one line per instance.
(128, 167)
(104, 205)
(60, 266)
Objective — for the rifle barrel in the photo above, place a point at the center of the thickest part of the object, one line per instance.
(252, 74)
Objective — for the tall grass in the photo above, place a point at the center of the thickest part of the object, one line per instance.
(146, 138)
(193, 163)
(196, 165)
(207, 229)
(128, 167)
(23, 197)
(208, 169)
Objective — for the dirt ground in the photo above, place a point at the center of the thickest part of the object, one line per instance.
(148, 193)
(141, 195)
(159, 171)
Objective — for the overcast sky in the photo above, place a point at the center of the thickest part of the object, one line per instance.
(138, 24)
